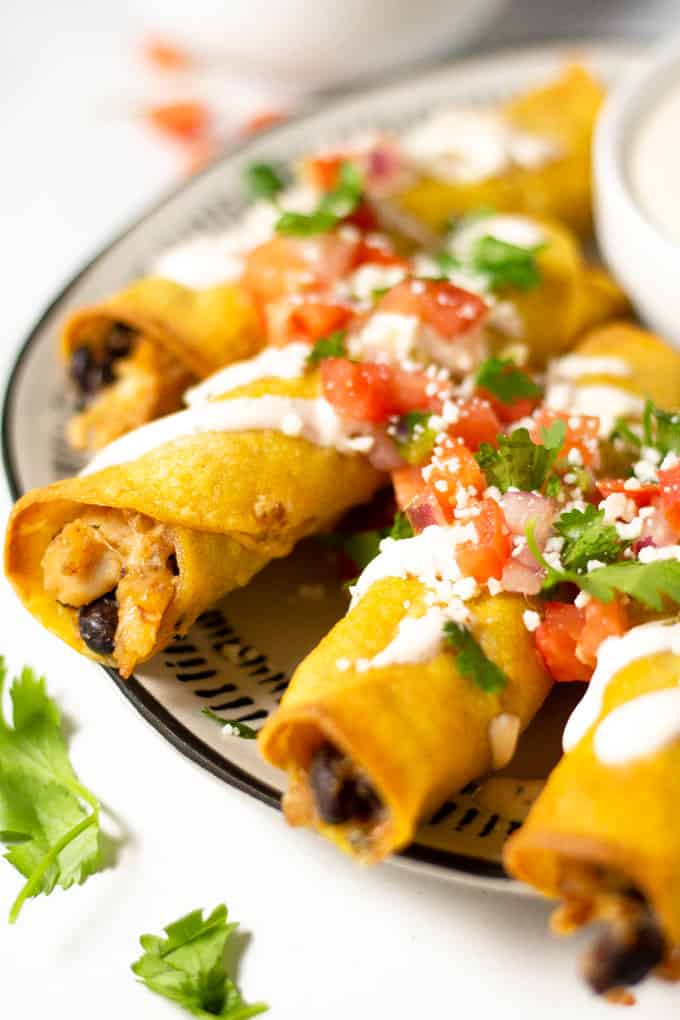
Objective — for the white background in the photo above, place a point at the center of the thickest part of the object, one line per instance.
(324, 939)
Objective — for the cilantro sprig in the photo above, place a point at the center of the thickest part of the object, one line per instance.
(587, 537)
(49, 822)
(188, 967)
(502, 378)
(652, 584)
(238, 729)
(505, 264)
(363, 546)
(660, 430)
(413, 436)
(263, 180)
(335, 206)
(331, 346)
(471, 660)
(518, 462)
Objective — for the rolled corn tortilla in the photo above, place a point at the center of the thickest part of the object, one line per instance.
(132, 356)
(379, 748)
(563, 113)
(603, 836)
(173, 529)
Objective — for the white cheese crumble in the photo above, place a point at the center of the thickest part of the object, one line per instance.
(532, 620)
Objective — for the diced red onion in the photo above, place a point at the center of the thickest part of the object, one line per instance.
(656, 528)
(521, 507)
(522, 577)
(424, 511)
(384, 455)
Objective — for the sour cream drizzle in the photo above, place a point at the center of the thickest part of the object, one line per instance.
(639, 727)
(576, 366)
(614, 654)
(272, 363)
(314, 420)
(418, 639)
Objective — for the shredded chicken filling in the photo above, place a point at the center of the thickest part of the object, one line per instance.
(123, 552)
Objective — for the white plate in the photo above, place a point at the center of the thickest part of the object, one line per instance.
(237, 658)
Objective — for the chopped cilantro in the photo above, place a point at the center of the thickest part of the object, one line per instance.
(505, 381)
(587, 537)
(263, 181)
(401, 527)
(520, 463)
(188, 967)
(48, 821)
(238, 729)
(331, 346)
(333, 207)
(661, 429)
(506, 265)
(471, 660)
(447, 262)
(624, 432)
(413, 436)
(652, 584)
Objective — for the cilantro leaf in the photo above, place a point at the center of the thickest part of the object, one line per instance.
(661, 429)
(51, 837)
(587, 537)
(263, 181)
(414, 437)
(505, 381)
(447, 262)
(652, 584)
(331, 346)
(241, 729)
(188, 967)
(518, 462)
(401, 527)
(471, 660)
(333, 207)
(506, 265)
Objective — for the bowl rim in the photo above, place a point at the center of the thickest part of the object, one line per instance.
(624, 109)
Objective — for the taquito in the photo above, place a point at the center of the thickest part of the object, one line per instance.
(117, 561)
(131, 357)
(371, 751)
(562, 113)
(603, 836)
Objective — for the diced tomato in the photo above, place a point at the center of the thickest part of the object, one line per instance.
(487, 556)
(289, 320)
(378, 254)
(410, 392)
(286, 265)
(508, 413)
(166, 56)
(263, 120)
(449, 310)
(600, 621)
(454, 466)
(642, 496)
(557, 638)
(363, 217)
(582, 433)
(322, 171)
(408, 483)
(185, 121)
(477, 424)
(669, 499)
(358, 391)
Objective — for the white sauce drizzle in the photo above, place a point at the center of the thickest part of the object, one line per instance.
(314, 420)
(271, 363)
(576, 366)
(607, 402)
(614, 654)
(518, 230)
(472, 145)
(418, 639)
(639, 727)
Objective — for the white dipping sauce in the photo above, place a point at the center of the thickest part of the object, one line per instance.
(287, 362)
(654, 164)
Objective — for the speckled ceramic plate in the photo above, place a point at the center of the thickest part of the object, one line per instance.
(237, 659)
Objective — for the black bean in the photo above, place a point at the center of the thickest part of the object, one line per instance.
(173, 564)
(97, 623)
(119, 340)
(340, 794)
(624, 956)
(82, 362)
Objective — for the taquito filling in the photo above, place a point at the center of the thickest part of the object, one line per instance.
(632, 943)
(342, 794)
(118, 569)
(120, 384)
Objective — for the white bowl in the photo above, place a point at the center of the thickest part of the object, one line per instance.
(641, 254)
(320, 43)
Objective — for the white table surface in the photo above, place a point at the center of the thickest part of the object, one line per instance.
(325, 939)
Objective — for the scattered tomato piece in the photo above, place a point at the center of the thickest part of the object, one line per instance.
(557, 638)
(487, 556)
(449, 310)
(289, 320)
(358, 391)
(582, 433)
(408, 483)
(454, 466)
(600, 622)
(642, 496)
(261, 121)
(184, 121)
(669, 499)
(166, 56)
(477, 423)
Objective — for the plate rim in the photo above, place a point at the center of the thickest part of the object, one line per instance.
(444, 864)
